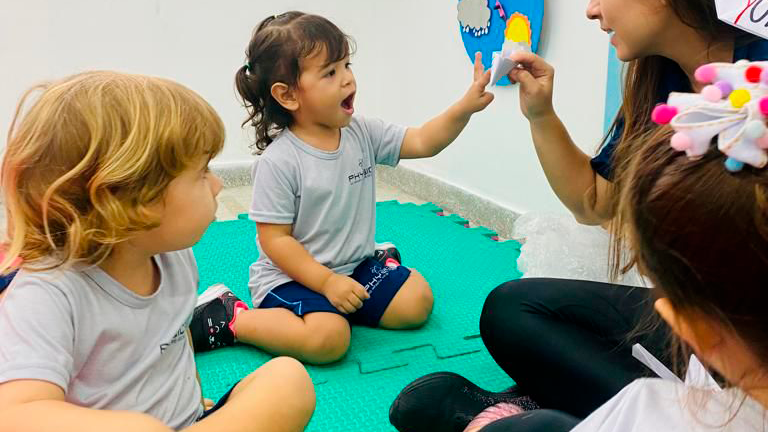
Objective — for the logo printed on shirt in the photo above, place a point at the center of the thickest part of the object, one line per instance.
(181, 334)
(361, 175)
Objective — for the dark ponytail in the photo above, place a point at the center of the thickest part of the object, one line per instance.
(274, 55)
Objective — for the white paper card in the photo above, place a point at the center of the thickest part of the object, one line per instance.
(696, 376)
(748, 15)
(646, 358)
(502, 65)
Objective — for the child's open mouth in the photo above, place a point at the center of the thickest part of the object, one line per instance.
(348, 104)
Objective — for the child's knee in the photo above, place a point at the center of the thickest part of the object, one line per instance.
(296, 382)
(412, 305)
(422, 300)
(290, 370)
(328, 339)
(285, 382)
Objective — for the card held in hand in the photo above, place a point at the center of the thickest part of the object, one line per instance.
(502, 64)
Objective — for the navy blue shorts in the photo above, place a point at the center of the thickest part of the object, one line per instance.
(381, 282)
(222, 400)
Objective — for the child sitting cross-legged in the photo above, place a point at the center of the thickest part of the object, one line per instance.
(314, 199)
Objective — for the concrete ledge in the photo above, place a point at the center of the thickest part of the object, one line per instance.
(233, 174)
(452, 199)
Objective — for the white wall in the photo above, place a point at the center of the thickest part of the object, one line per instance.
(410, 65)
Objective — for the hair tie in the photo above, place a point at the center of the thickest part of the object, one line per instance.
(732, 109)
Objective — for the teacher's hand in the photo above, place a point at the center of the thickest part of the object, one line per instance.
(536, 78)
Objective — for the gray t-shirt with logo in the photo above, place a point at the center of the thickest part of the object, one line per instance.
(328, 197)
(105, 346)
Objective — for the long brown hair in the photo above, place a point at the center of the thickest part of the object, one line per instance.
(642, 82)
(643, 76)
(274, 55)
(700, 233)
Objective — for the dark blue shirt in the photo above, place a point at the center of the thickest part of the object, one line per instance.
(674, 80)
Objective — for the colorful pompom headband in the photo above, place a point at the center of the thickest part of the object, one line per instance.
(733, 106)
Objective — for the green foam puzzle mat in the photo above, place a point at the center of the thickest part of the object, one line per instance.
(462, 266)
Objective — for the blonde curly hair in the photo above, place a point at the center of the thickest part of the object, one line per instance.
(85, 161)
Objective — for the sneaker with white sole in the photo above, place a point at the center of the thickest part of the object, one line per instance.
(387, 254)
(213, 320)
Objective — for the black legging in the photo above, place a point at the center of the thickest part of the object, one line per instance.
(534, 421)
(568, 344)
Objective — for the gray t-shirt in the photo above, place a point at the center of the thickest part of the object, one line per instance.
(105, 346)
(328, 197)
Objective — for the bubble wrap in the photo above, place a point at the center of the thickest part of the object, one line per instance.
(556, 246)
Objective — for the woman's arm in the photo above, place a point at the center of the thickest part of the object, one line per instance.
(569, 172)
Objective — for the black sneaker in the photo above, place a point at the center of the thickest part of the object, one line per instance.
(443, 401)
(387, 254)
(214, 318)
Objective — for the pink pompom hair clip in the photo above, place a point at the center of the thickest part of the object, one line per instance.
(732, 107)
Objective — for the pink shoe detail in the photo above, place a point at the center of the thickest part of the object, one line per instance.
(493, 413)
(240, 306)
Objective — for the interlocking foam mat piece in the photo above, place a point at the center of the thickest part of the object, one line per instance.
(461, 264)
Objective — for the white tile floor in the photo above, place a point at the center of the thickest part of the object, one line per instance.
(234, 201)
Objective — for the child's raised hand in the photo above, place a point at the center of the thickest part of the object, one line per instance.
(344, 293)
(477, 99)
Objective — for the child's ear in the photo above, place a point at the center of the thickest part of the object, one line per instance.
(697, 331)
(285, 96)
